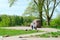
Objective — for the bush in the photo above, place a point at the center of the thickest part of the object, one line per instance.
(6, 20)
(55, 23)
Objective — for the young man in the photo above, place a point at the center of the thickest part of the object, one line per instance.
(33, 26)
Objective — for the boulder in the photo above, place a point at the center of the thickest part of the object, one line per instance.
(37, 23)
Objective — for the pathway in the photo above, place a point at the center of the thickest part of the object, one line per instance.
(20, 37)
(24, 28)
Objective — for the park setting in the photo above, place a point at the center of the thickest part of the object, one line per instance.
(29, 19)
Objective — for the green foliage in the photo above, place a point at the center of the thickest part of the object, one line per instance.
(11, 2)
(28, 20)
(55, 23)
(6, 20)
(31, 9)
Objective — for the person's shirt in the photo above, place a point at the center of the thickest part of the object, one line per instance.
(31, 24)
(34, 24)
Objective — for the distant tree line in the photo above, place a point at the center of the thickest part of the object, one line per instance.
(6, 20)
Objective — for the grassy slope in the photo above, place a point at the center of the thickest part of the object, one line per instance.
(15, 32)
(51, 34)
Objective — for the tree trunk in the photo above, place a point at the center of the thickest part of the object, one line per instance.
(48, 22)
(41, 22)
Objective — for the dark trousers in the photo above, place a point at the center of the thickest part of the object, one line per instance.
(32, 27)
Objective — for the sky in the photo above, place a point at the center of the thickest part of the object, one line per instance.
(17, 9)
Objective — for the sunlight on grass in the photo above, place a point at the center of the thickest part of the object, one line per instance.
(16, 32)
(51, 34)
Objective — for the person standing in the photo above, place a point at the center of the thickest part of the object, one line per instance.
(35, 26)
(32, 26)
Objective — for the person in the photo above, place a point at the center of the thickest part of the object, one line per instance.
(33, 26)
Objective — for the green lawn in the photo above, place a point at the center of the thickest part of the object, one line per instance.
(10, 32)
(51, 34)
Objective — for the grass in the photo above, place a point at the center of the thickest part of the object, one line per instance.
(11, 32)
(55, 26)
(51, 34)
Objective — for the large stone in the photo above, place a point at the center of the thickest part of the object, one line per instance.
(37, 23)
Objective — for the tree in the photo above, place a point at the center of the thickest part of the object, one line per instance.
(39, 4)
(47, 7)
(31, 10)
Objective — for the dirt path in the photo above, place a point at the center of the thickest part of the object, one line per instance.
(13, 38)
(24, 28)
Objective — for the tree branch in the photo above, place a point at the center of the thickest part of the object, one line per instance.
(47, 10)
(53, 8)
(35, 2)
(57, 4)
